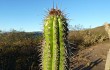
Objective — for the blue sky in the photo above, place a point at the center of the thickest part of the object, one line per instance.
(28, 15)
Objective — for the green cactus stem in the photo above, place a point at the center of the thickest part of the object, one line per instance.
(54, 55)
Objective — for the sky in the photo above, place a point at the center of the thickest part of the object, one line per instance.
(28, 15)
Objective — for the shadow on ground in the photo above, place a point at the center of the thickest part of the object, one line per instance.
(90, 66)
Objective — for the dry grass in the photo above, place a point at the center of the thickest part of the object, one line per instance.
(20, 50)
(87, 37)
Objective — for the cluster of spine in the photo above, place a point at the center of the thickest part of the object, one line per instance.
(55, 53)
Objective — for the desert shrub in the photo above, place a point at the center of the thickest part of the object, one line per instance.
(87, 37)
(20, 50)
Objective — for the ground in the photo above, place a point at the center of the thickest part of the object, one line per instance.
(92, 58)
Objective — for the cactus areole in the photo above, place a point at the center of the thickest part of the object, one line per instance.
(54, 55)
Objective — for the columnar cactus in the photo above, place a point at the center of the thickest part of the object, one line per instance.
(55, 53)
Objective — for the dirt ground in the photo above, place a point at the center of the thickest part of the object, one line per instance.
(92, 58)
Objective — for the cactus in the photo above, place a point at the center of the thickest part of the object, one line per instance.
(55, 53)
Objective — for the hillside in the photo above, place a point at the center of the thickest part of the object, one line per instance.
(21, 50)
(88, 37)
(92, 58)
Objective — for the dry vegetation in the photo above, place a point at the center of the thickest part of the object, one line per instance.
(87, 37)
(20, 50)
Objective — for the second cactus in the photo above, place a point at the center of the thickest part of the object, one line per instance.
(54, 55)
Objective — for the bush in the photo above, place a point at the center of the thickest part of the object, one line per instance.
(20, 50)
(87, 37)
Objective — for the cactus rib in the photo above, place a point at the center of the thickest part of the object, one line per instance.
(54, 55)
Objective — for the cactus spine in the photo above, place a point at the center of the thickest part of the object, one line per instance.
(54, 56)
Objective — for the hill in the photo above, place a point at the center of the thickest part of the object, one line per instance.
(87, 37)
(21, 50)
(92, 58)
